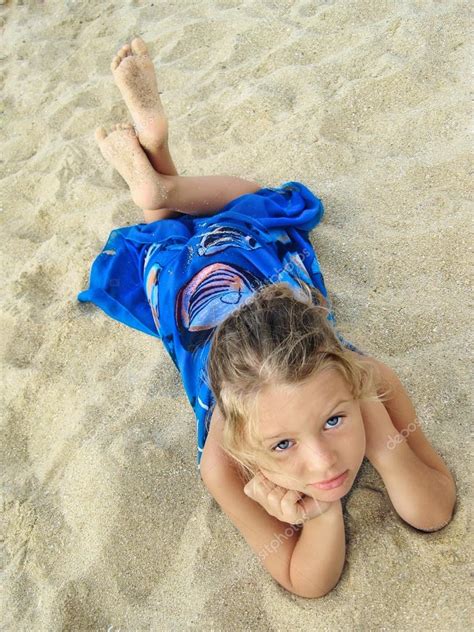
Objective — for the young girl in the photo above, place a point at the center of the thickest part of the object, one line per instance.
(223, 272)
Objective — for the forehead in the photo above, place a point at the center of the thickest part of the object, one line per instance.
(281, 405)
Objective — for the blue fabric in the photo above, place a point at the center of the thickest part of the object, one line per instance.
(176, 279)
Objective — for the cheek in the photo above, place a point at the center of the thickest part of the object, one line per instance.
(280, 478)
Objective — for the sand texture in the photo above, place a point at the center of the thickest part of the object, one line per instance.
(106, 524)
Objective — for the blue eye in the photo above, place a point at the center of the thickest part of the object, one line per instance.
(287, 440)
(336, 417)
(275, 448)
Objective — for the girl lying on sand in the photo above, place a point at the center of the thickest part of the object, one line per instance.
(223, 273)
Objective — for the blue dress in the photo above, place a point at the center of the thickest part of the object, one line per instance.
(176, 279)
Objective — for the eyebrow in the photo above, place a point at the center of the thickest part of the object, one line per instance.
(324, 418)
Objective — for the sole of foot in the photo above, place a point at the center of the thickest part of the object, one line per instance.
(135, 77)
(122, 149)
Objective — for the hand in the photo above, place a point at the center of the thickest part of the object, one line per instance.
(288, 505)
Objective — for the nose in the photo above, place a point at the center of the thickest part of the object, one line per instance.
(318, 455)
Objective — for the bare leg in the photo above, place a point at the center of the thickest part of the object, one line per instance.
(206, 195)
(195, 195)
(135, 76)
(121, 148)
(154, 215)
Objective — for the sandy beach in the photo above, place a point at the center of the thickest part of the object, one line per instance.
(106, 524)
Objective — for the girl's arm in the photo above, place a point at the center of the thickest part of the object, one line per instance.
(418, 482)
(306, 561)
(421, 495)
(205, 195)
(318, 558)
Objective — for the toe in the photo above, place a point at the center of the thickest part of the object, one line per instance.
(100, 134)
(122, 53)
(139, 46)
(128, 127)
(124, 50)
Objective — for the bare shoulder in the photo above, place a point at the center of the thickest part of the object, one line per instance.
(364, 358)
(404, 417)
(213, 456)
(225, 481)
(383, 372)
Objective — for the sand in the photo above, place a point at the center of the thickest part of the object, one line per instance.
(106, 523)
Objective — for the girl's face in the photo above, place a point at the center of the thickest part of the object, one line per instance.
(312, 432)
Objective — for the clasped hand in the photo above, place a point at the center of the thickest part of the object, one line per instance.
(288, 505)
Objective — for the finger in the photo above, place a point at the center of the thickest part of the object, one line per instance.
(265, 488)
(290, 498)
(274, 501)
(262, 481)
(255, 486)
(289, 505)
(275, 495)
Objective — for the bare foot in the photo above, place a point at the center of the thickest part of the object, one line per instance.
(135, 77)
(149, 189)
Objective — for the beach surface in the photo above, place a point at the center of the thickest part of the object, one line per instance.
(106, 524)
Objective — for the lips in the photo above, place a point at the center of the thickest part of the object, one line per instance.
(334, 482)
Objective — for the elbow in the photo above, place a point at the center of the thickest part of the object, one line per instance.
(435, 525)
(434, 518)
(312, 592)
(317, 595)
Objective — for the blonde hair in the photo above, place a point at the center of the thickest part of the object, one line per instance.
(280, 335)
